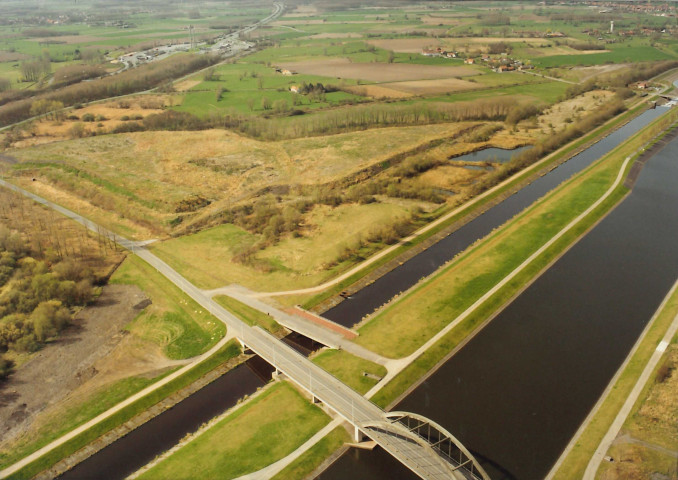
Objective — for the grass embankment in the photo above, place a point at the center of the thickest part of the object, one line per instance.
(173, 321)
(74, 415)
(228, 351)
(350, 369)
(311, 459)
(512, 183)
(454, 288)
(249, 315)
(259, 433)
(653, 428)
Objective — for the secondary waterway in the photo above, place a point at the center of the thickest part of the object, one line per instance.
(495, 155)
(365, 301)
(518, 391)
(136, 449)
(140, 446)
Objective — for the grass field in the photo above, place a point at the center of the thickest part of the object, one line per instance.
(652, 418)
(74, 415)
(255, 435)
(206, 258)
(441, 298)
(602, 172)
(249, 315)
(310, 460)
(350, 369)
(173, 320)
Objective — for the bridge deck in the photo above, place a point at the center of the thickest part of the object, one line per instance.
(350, 405)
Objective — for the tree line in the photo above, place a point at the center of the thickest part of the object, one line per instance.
(15, 107)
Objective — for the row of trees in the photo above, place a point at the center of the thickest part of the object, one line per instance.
(139, 79)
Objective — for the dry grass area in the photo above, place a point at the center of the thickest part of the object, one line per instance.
(107, 116)
(89, 356)
(186, 85)
(560, 113)
(377, 72)
(206, 258)
(143, 177)
(585, 73)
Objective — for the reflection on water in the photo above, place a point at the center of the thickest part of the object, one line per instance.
(518, 391)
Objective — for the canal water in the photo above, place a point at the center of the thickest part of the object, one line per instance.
(517, 392)
(494, 155)
(364, 302)
(136, 449)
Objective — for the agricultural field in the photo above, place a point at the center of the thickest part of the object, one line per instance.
(332, 132)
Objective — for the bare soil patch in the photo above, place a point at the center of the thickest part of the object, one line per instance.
(186, 85)
(377, 72)
(377, 91)
(12, 56)
(76, 361)
(70, 39)
(585, 73)
(565, 112)
(336, 35)
(432, 87)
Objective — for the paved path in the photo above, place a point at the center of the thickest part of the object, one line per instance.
(303, 326)
(619, 420)
(399, 365)
(351, 406)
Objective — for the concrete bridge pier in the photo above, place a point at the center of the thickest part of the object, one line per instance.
(358, 436)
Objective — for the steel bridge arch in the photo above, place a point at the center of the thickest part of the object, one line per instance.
(412, 425)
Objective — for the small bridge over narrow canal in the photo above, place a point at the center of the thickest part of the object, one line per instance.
(420, 444)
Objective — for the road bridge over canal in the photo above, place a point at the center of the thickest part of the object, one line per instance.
(423, 446)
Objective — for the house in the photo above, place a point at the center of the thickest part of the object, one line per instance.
(469, 61)
(294, 89)
(286, 72)
(642, 85)
(429, 53)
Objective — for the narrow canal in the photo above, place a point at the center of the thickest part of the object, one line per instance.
(131, 452)
(518, 391)
(136, 449)
(364, 302)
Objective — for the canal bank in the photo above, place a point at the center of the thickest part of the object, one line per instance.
(381, 286)
(515, 392)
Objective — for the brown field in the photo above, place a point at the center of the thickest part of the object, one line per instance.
(432, 87)
(186, 85)
(336, 35)
(444, 20)
(377, 72)
(70, 39)
(377, 91)
(558, 114)
(12, 56)
(415, 45)
(48, 131)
